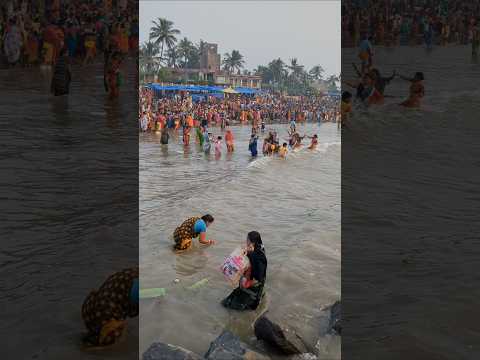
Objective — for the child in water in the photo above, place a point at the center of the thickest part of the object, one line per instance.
(265, 147)
(206, 142)
(417, 90)
(218, 146)
(283, 151)
(186, 135)
(314, 143)
(252, 146)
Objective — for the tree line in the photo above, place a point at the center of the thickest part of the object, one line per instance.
(164, 50)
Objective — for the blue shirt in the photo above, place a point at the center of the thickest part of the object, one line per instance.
(134, 293)
(200, 226)
(365, 45)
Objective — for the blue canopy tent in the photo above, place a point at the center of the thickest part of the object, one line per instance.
(159, 90)
(333, 93)
(246, 91)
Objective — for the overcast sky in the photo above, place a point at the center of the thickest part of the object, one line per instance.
(260, 30)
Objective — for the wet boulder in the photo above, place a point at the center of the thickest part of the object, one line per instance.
(280, 337)
(334, 323)
(307, 356)
(162, 351)
(229, 347)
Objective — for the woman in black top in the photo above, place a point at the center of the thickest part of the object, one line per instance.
(250, 290)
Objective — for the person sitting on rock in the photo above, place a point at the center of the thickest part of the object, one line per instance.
(250, 290)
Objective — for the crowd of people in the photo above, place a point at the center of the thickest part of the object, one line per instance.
(68, 32)
(171, 114)
(411, 22)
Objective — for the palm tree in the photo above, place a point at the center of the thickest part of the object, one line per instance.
(162, 32)
(316, 72)
(227, 62)
(277, 68)
(173, 56)
(233, 61)
(296, 68)
(185, 48)
(148, 59)
(332, 82)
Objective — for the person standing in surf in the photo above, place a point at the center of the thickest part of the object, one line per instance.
(229, 140)
(61, 75)
(417, 90)
(252, 146)
(207, 144)
(218, 147)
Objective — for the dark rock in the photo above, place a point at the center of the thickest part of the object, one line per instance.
(307, 356)
(229, 347)
(161, 351)
(279, 337)
(334, 324)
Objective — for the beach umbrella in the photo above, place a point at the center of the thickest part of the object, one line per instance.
(229, 90)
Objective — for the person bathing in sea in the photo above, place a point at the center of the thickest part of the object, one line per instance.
(249, 293)
(296, 141)
(191, 229)
(218, 146)
(265, 147)
(252, 145)
(366, 52)
(229, 140)
(186, 135)
(207, 141)
(263, 126)
(283, 151)
(293, 125)
(164, 137)
(314, 143)
(105, 310)
(417, 90)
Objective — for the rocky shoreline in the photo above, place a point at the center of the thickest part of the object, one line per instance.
(276, 339)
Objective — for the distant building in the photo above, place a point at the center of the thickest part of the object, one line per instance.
(210, 71)
(210, 59)
(237, 80)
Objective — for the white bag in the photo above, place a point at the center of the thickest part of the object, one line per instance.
(235, 265)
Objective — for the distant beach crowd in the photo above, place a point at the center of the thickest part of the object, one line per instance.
(177, 111)
(31, 35)
(410, 22)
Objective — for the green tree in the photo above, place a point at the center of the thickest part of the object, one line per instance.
(295, 68)
(185, 49)
(233, 61)
(173, 57)
(149, 61)
(332, 83)
(278, 73)
(316, 72)
(163, 34)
